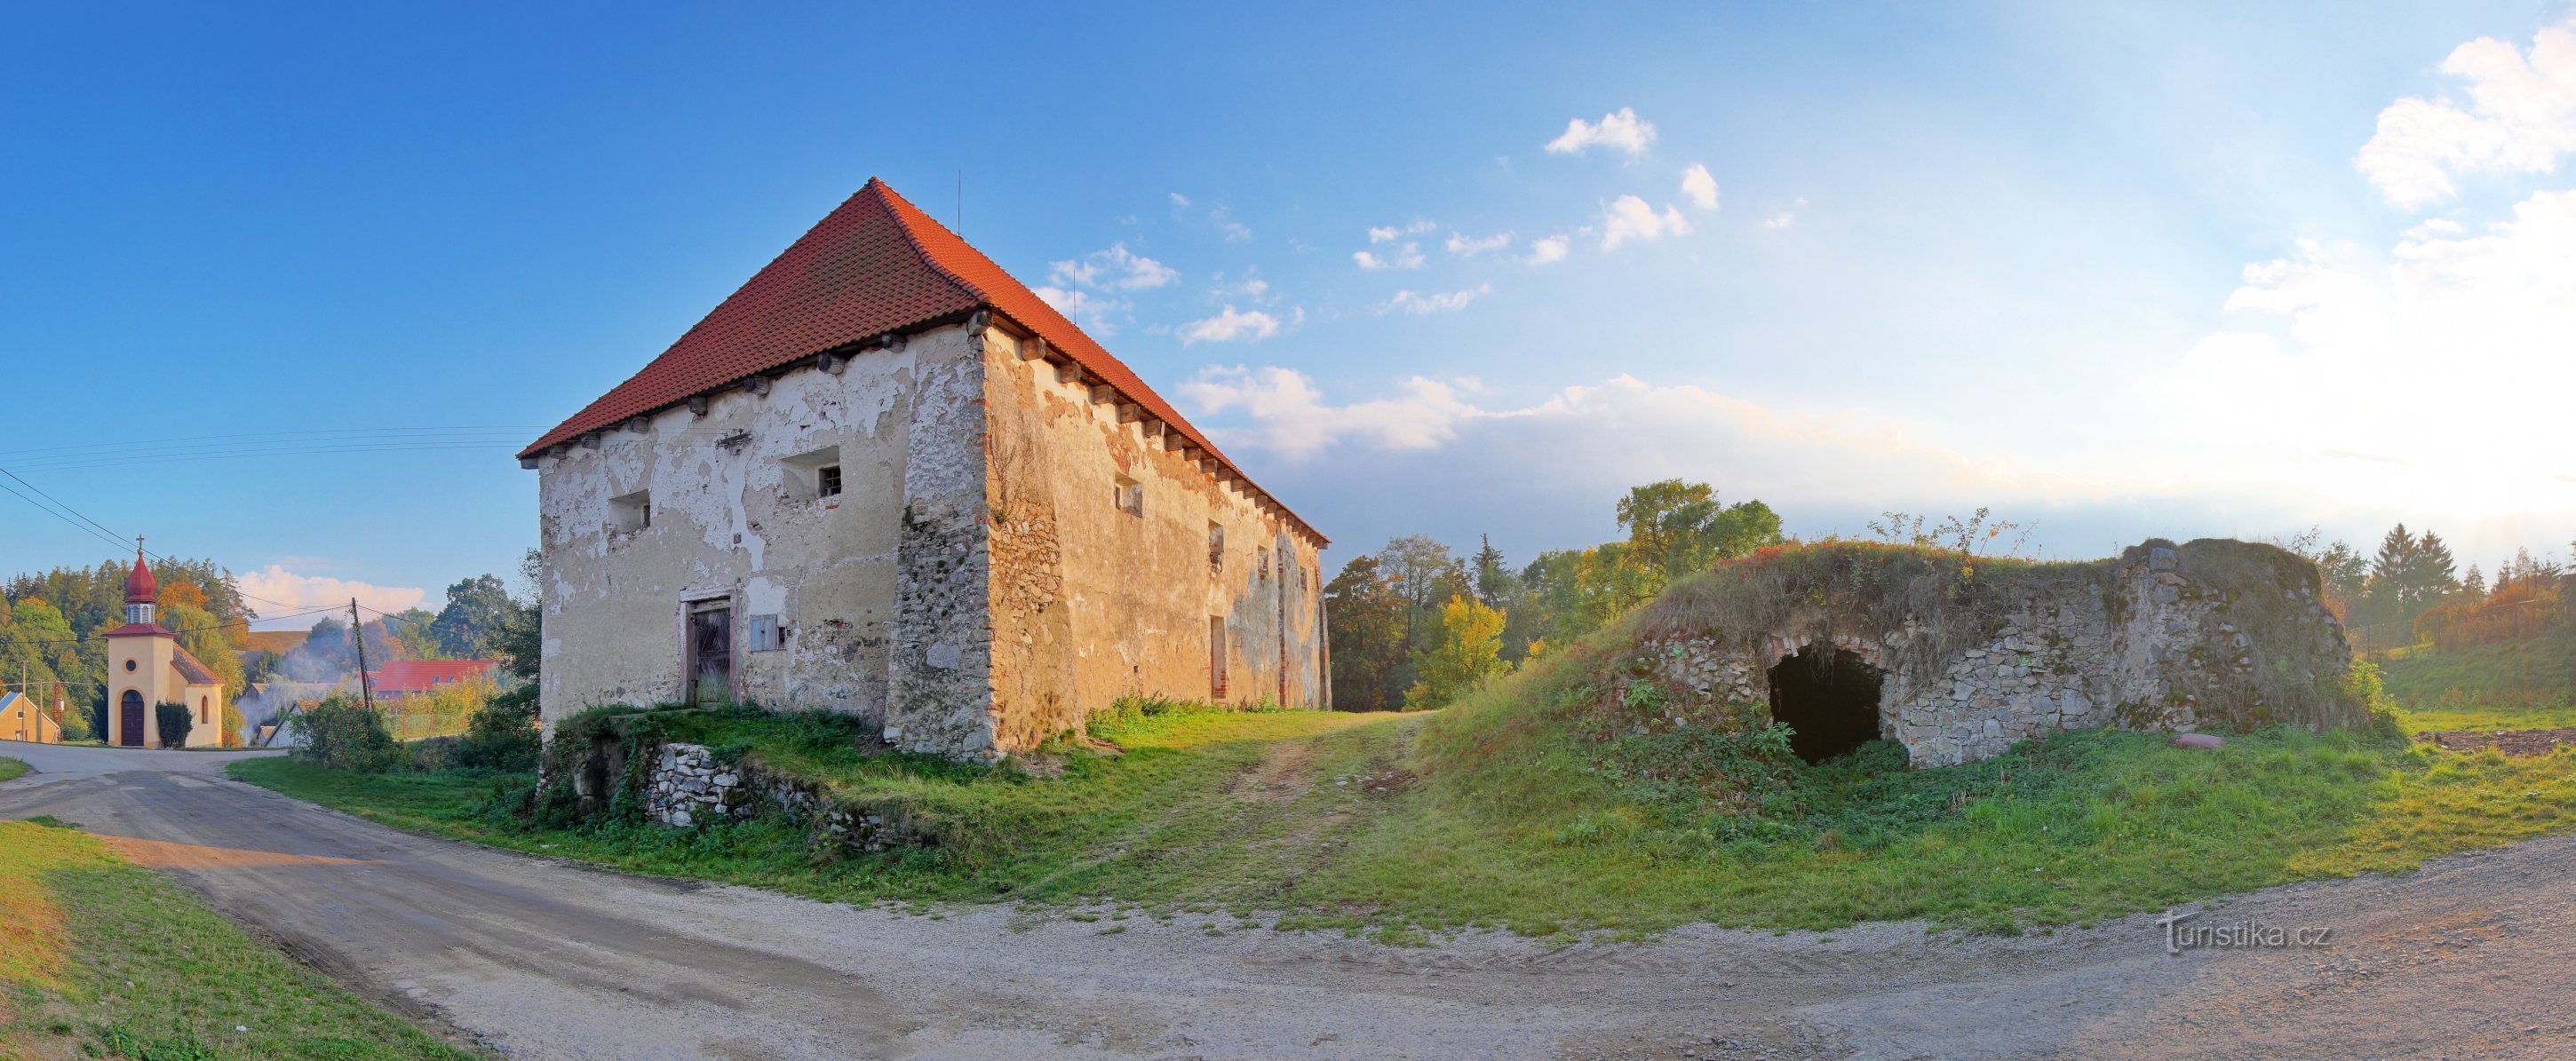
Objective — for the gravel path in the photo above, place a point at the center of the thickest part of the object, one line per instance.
(543, 959)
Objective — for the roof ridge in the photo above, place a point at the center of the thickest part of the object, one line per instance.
(904, 225)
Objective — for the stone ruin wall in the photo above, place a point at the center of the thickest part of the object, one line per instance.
(686, 786)
(2160, 653)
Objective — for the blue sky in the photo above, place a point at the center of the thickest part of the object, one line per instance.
(2116, 272)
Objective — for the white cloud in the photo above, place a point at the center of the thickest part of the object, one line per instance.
(1289, 416)
(1699, 187)
(1229, 227)
(1116, 269)
(1252, 287)
(1785, 218)
(1389, 233)
(1628, 217)
(1621, 129)
(1408, 256)
(1229, 326)
(1411, 302)
(1547, 249)
(1085, 308)
(2430, 335)
(2520, 117)
(1465, 247)
(1622, 430)
(276, 583)
(1180, 201)
(1078, 288)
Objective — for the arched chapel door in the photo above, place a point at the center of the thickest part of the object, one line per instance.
(129, 720)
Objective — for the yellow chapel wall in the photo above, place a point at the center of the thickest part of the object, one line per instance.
(154, 674)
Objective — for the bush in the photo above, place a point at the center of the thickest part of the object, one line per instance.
(344, 736)
(176, 720)
(502, 735)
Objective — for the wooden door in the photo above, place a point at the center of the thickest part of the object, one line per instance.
(129, 720)
(1216, 657)
(711, 655)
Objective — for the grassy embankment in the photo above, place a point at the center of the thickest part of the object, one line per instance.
(11, 768)
(100, 957)
(1521, 824)
(2523, 684)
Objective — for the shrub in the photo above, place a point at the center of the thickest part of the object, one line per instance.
(346, 736)
(176, 720)
(502, 735)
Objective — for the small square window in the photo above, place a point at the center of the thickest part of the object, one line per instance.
(1130, 496)
(827, 481)
(766, 634)
(633, 512)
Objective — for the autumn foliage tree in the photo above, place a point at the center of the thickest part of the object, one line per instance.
(1467, 649)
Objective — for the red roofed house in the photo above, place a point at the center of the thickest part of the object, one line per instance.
(146, 667)
(886, 478)
(414, 677)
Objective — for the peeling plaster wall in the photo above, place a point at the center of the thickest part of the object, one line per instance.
(734, 517)
(1091, 603)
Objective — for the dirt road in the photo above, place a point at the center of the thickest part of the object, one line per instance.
(540, 959)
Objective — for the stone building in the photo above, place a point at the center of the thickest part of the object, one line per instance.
(147, 668)
(886, 478)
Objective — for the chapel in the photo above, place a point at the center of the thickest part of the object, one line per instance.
(146, 667)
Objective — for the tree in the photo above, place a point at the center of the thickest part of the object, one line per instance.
(1466, 651)
(176, 720)
(477, 608)
(1364, 621)
(2432, 576)
(520, 643)
(1423, 573)
(409, 635)
(1493, 580)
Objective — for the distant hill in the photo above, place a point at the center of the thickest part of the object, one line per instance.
(278, 641)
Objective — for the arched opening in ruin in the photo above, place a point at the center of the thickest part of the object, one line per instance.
(1829, 700)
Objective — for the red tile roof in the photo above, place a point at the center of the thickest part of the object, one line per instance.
(139, 630)
(404, 677)
(874, 265)
(192, 671)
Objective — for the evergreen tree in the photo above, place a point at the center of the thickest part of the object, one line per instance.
(1493, 580)
(1364, 626)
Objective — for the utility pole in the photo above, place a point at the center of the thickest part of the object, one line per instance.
(358, 638)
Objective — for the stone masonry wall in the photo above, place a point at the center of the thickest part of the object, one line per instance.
(2160, 652)
(686, 786)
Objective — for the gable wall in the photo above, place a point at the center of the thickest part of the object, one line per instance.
(1091, 603)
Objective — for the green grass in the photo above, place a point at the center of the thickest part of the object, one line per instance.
(2538, 671)
(10, 768)
(1524, 826)
(103, 958)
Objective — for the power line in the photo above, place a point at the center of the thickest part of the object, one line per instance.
(58, 501)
